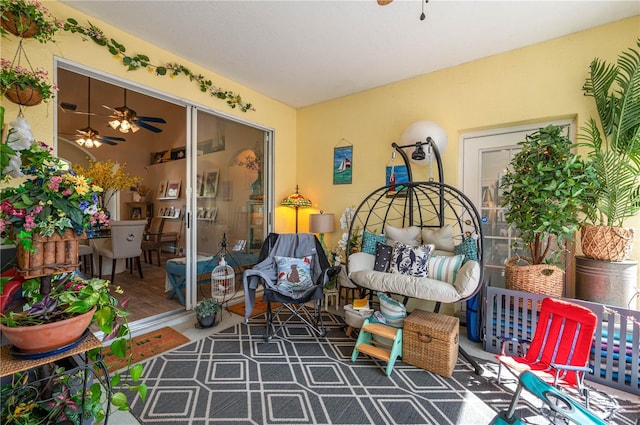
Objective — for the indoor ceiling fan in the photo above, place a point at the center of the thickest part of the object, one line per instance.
(88, 136)
(422, 15)
(125, 119)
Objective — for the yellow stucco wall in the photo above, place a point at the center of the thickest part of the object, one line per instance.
(536, 83)
(269, 113)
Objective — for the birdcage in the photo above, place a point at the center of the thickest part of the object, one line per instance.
(223, 279)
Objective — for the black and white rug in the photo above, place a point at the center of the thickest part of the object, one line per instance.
(234, 377)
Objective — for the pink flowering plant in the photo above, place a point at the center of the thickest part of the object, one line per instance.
(38, 79)
(34, 12)
(50, 199)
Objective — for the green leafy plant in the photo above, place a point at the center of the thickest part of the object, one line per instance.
(613, 141)
(71, 295)
(35, 12)
(543, 192)
(22, 77)
(171, 70)
(207, 307)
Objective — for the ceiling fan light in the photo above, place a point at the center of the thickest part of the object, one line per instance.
(80, 142)
(114, 124)
(134, 128)
(125, 126)
(97, 144)
(89, 143)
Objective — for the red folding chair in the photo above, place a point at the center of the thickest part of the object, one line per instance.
(559, 351)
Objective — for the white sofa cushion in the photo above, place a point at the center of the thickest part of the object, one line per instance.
(424, 288)
(406, 235)
(442, 238)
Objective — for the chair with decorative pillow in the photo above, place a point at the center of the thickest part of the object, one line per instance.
(293, 269)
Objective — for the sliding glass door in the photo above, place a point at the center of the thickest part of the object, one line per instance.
(227, 202)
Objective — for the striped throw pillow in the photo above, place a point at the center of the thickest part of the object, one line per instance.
(444, 268)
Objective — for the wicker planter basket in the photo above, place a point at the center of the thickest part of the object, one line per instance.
(20, 26)
(607, 243)
(54, 254)
(26, 97)
(538, 279)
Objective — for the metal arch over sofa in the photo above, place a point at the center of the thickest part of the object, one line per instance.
(425, 205)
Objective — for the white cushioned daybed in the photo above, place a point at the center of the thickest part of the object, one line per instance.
(425, 242)
(449, 277)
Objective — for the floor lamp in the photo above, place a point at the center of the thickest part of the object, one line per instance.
(321, 223)
(296, 201)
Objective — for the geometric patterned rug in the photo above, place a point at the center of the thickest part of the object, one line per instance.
(234, 377)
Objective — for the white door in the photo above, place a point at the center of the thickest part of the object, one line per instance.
(486, 156)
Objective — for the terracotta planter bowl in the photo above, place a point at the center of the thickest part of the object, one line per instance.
(47, 337)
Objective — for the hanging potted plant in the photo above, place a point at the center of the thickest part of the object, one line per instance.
(23, 86)
(28, 19)
(207, 312)
(613, 150)
(543, 192)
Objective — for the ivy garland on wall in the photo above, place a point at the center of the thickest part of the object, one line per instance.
(138, 61)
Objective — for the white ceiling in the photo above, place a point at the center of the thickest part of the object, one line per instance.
(302, 52)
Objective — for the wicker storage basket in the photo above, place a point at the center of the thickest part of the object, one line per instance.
(607, 243)
(538, 279)
(430, 341)
(53, 254)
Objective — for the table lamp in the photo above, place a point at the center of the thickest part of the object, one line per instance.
(321, 223)
(296, 201)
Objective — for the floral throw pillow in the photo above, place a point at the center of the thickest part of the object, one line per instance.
(294, 274)
(410, 260)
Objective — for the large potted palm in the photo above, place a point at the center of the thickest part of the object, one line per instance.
(606, 273)
(543, 191)
(613, 149)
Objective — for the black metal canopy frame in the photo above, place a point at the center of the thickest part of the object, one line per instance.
(428, 204)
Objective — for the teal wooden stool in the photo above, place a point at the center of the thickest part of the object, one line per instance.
(388, 354)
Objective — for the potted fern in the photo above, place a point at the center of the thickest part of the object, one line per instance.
(543, 194)
(613, 150)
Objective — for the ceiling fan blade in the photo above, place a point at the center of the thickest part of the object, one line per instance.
(115, 139)
(106, 141)
(152, 119)
(148, 127)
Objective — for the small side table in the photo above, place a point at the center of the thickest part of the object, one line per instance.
(331, 295)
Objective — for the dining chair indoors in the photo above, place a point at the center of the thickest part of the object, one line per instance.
(152, 240)
(125, 243)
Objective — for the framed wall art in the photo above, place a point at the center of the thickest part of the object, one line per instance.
(342, 164)
(162, 188)
(173, 189)
(211, 184)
